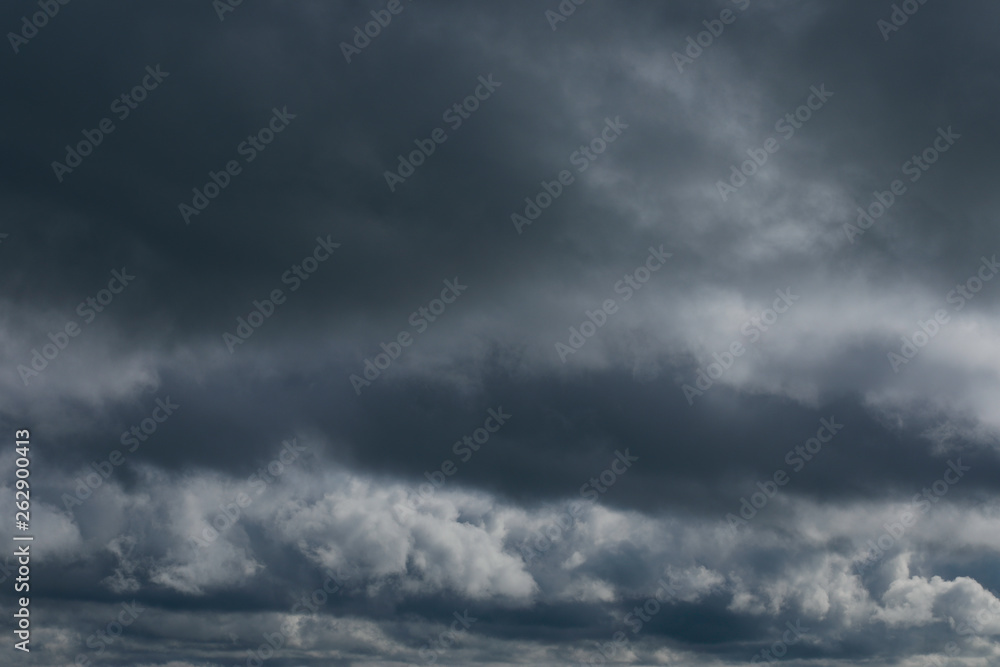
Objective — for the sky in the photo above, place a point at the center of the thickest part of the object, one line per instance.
(517, 333)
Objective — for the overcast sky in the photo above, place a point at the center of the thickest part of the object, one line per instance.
(509, 333)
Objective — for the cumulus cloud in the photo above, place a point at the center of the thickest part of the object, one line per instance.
(665, 479)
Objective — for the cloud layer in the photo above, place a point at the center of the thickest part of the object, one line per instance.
(727, 268)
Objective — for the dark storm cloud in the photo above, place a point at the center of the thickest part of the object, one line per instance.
(501, 536)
